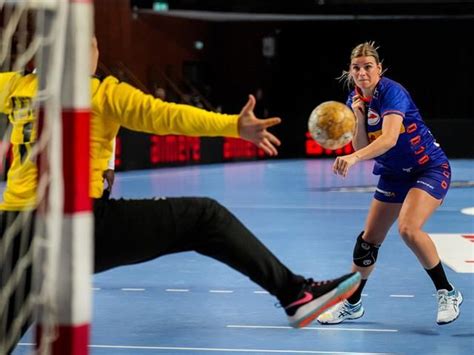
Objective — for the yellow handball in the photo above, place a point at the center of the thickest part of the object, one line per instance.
(332, 124)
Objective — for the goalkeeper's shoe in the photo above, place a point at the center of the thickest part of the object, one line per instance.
(317, 296)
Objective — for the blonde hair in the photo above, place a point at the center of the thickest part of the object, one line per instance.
(365, 49)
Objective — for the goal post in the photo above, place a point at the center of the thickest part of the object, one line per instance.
(71, 219)
(48, 276)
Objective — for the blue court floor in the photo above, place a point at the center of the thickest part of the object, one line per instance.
(190, 304)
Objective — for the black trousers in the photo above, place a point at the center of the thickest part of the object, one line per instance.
(15, 247)
(134, 231)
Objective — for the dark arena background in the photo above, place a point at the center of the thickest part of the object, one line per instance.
(213, 54)
(165, 215)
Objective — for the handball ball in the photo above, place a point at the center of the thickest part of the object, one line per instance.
(332, 124)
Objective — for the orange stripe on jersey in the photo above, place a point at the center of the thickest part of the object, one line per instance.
(412, 128)
(415, 140)
(420, 150)
(424, 159)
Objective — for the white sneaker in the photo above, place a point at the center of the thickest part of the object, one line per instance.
(448, 306)
(342, 311)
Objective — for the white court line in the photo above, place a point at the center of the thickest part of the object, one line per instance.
(381, 330)
(221, 291)
(129, 289)
(231, 350)
(296, 207)
(323, 208)
(235, 350)
(227, 291)
(468, 210)
(177, 290)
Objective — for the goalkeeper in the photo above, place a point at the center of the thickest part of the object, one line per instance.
(137, 230)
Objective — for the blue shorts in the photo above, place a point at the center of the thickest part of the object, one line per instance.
(435, 181)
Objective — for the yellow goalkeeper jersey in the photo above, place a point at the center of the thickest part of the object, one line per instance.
(114, 104)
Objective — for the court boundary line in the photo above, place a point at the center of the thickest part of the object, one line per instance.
(325, 328)
(234, 350)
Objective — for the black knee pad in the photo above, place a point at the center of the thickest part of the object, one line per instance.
(365, 254)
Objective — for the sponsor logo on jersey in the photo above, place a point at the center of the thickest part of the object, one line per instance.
(376, 94)
(22, 108)
(373, 118)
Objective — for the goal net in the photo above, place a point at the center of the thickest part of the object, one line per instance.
(45, 211)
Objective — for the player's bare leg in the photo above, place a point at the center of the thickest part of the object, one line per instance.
(417, 208)
(380, 218)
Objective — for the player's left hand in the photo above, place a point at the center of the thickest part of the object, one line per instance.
(254, 130)
(342, 164)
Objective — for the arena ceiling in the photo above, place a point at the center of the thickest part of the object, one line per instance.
(315, 7)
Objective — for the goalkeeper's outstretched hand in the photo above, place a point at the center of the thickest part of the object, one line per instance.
(255, 130)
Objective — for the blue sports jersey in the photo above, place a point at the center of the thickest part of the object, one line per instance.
(416, 148)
